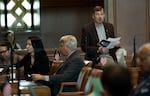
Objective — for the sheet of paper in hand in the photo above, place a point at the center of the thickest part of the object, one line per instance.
(109, 43)
(113, 42)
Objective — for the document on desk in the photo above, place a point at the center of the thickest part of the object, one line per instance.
(23, 84)
(26, 83)
(113, 42)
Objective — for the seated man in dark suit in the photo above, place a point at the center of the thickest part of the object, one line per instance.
(69, 70)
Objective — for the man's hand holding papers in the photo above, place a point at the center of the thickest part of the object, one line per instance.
(110, 42)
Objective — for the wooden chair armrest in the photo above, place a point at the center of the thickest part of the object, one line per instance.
(68, 83)
(63, 84)
(77, 93)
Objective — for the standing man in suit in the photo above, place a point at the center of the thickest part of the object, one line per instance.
(93, 33)
(69, 70)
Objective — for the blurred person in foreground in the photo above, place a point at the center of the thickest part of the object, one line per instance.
(143, 89)
(116, 80)
(69, 70)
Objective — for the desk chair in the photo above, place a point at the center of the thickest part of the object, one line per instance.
(80, 84)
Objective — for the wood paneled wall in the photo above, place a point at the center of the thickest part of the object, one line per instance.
(130, 20)
(61, 17)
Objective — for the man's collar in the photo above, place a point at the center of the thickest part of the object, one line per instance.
(71, 53)
(98, 24)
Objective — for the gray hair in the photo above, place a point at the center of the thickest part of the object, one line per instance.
(70, 41)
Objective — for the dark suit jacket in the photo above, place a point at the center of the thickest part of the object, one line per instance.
(40, 66)
(69, 71)
(89, 40)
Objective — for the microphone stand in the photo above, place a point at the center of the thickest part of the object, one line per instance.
(11, 62)
(18, 78)
(134, 53)
(86, 44)
(17, 68)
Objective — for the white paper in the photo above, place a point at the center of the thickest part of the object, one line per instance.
(113, 42)
(1, 69)
(86, 62)
(26, 83)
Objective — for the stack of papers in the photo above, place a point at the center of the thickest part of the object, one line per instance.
(113, 42)
(110, 42)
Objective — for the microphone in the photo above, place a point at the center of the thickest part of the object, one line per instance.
(12, 67)
(11, 61)
(56, 55)
(86, 43)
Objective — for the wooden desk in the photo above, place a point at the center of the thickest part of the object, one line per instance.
(22, 89)
(28, 87)
(40, 91)
(1, 94)
(54, 66)
(135, 75)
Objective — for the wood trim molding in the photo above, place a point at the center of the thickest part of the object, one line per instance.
(70, 3)
(147, 21)
(112, 17)
(115, 15)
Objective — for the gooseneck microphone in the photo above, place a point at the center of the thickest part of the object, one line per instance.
(11, 61)
(86, 44)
